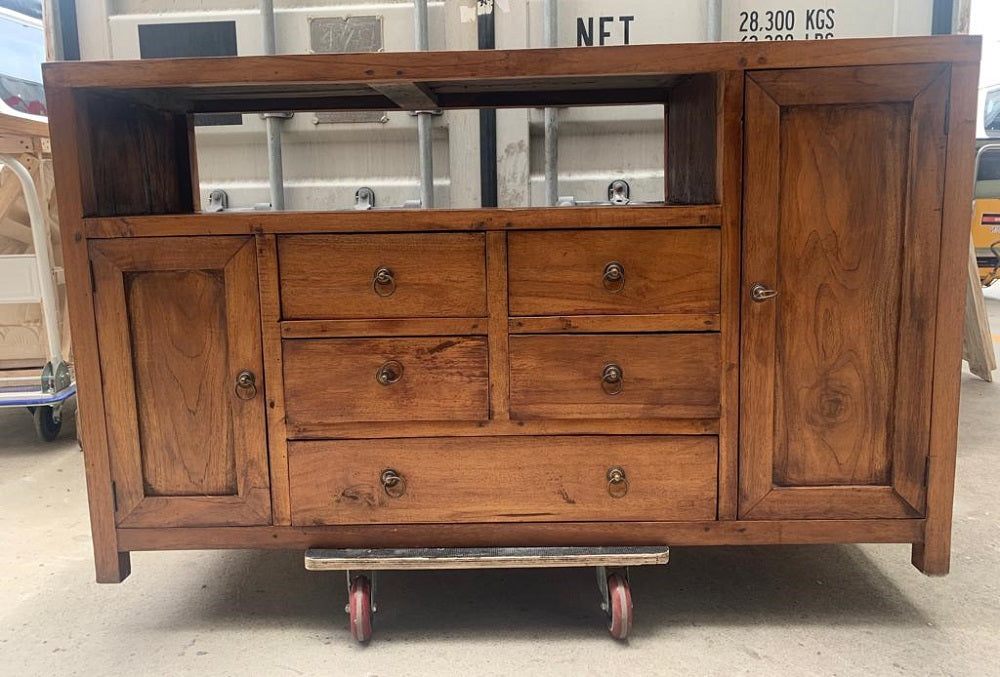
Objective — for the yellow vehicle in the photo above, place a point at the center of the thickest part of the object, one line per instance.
(986, 213)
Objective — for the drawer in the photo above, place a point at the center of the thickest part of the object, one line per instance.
(575, 272)
(573, 376)
(503, 479)
(422, 275)
(331, 381)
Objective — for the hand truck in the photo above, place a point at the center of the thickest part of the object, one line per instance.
(32, 279)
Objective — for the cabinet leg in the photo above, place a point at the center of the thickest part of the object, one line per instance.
(932, 558)
(112, 567)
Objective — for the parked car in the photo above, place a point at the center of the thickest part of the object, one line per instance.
(22, 51)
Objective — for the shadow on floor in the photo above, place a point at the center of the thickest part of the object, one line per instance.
(722, 586)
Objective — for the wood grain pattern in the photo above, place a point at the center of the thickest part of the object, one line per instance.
(868, 84)
(332, 381)
(407, 220)
(274, 386)
(305, 430)
(609, 324)
(140, 160)
(839, 280)
(730, 175)
(562, 273)
(112, 564)
(665, 375)
(527, 65)
(331, 276)
(496, 266)
(419, 326)
(503, 479)
(692, 143)
(920, 267)
(179, 373)
(500, 534)
(185, 451)
(827, 388)
(934, 556)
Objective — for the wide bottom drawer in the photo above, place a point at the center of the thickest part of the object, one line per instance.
(503, 479)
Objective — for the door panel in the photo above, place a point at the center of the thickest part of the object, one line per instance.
(178, 320)
(842, 216)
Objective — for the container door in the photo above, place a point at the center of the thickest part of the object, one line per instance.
(842, 221)
(179, 333)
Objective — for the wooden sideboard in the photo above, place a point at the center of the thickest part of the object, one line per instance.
(770, 356)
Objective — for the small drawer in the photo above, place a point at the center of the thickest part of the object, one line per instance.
(614, 272)
(503, 479)
(382, 276)
(615, 376)
(335, 381)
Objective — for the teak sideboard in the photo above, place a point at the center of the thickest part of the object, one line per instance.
(770, 356)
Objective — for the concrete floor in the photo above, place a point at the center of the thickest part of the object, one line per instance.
(818, 610)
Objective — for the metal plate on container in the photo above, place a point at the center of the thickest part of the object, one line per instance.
(344, 35)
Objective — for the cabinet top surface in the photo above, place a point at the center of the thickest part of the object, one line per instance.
(470, 79)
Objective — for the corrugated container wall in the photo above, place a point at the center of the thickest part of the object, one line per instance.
(327, 158)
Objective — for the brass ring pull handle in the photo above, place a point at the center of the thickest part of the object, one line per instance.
(389, 373)
(383, 282)
(761, 292)
(617, 482)
(246, 385)
(613, 380)
(393, 483)
(614, 277)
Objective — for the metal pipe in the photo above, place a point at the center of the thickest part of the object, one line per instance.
(550, 36)
(43, 262)
(425, 143)
(714, 31)
(275, 168)
(486, 39)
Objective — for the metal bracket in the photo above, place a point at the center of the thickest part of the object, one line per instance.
(372, 577)
(435, 112)
(55, 378)
(602, 584)
(281, 115)
(619, 195)
(618, 192)
(218, 201)
(364, 199)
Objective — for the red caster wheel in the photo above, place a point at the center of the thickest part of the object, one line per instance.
(359, 606)
(619, 606)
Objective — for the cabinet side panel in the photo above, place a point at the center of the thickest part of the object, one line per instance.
(840, 242)
(140, 160)
(933, 556)
(67, 133)
(691, 161)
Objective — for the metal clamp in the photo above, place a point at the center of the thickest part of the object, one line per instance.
(246, 385)
(389, 373)
(613, 380)
(761, 292)
(393, 483)
(383, 282)
(614, 277)
(617, 482)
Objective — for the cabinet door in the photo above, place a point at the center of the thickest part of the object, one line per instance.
(178, 321)
(842, 218)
